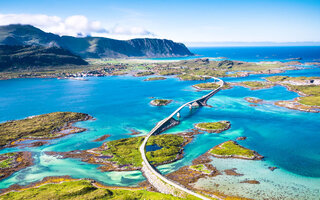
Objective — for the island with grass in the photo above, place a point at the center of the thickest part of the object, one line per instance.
(307, 87)
(155, 78)
(213, 127)
(254, 85)
(13, 162)
(68, 188)
(46, 126)
(160, 102)
(231, 149)
(124, 155)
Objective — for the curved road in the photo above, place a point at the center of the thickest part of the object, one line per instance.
(143, 145)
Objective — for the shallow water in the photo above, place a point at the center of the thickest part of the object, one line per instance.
(288, 139)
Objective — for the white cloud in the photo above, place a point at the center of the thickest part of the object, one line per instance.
(76, 25)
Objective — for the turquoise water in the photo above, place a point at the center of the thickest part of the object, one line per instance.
(288, 139)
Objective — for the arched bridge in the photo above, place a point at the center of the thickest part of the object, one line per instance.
(160, 182)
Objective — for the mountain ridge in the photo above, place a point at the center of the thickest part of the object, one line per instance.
(92, 47)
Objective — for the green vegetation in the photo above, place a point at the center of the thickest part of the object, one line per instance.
(288, 78)
(254, 84)
(171, 146)
(207, 86)
(306, 89)
(155, 78)
(84, 190)
(213, 126)
(200, 168)
(146, 73)
(188, 77)
(7, 159)
(126, 151)
(160, 102)
(37, 126)
(310, 100)
(231, 148)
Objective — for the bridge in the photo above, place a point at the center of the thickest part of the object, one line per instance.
(161, 183)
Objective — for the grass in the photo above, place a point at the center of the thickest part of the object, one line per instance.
(37, 126)
(200, 168)
(126, 151)
(155, 78)
(310, 100)
(210, 86)
(146, 73)
(231, 148)
(306, 89)
(212, 125)
(84, 190)
(190, 77)
(254, 84)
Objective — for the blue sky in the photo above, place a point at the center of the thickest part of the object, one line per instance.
(199, 21)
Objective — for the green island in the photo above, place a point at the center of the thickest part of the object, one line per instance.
(155, 78)
(231, 149)
(50, 125)
(84, 190)
(147, 73)
(213, 127)
(188, 77)
(124, 155)
(254, 85)
(12, 162)
(206, 86)
(307, 87)
(160, 102)
(201, 168)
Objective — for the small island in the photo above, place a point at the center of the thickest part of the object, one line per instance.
(13, 162)
(155, 78)
(160, 102)
(253, 100)
(231, 149)
(46, 126)
(254, 85)
(307, 87)
(206, 86)
(191, 77)
(124, 155)
(213, 127)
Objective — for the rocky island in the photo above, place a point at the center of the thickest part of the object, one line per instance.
(40, 127)
(155, 78)
(231, 149)
(307, 87)
(160, 102)
(13, 162)
(213, 127)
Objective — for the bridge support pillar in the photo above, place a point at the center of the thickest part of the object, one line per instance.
(178, 115)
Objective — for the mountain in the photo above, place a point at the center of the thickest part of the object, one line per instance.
(22, 57)
(92, 47)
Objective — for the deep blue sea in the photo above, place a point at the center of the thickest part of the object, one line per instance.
(288, 139)
(256, 54)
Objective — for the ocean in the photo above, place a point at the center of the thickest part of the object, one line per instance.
(288, 139)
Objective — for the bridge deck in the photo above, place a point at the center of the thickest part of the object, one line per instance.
(146, 165)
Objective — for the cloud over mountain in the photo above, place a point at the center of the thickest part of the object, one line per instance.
(75, 25)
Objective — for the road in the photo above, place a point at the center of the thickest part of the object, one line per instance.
(147, 165)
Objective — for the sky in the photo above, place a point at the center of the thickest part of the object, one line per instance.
(196, 23)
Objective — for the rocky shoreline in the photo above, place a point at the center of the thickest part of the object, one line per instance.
(226, 124)
(16, 161)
